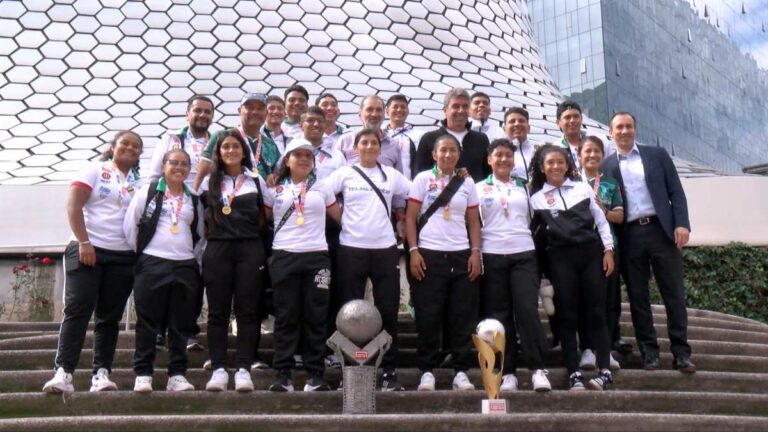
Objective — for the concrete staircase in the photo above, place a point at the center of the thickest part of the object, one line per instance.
(730, 391)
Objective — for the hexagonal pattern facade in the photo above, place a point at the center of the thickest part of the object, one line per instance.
(75, 71)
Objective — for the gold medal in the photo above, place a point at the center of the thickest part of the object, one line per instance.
(174, 229)
(300, 220)
(226, 210)
(446, 213)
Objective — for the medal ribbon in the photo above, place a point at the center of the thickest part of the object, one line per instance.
(441, 183)
(178, 201)
(227, 199)
(299, 201)
(257, 155)
(502, 199)
(123, 182)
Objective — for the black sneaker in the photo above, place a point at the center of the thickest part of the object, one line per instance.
(389, 382)
(282, 383)
(601, 381)
(316, 383)
(576, 382)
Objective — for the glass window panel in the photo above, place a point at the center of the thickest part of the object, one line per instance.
(562, 31)
(583, 18)
(574, 54)
(597, 40)
(595, 18)
(549, 31)
(585, 45)
(562, 51)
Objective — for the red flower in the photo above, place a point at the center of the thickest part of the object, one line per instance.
(45, 260)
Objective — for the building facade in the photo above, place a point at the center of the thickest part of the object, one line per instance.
(691, 80)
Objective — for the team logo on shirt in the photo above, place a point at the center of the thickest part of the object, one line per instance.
(432, 186)
(487, 202)
(104, 191)
(487, 188)
(105, 175)
(323, 279)
(279, 189)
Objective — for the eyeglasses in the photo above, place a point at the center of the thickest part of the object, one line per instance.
(314, 121)
(177, 163)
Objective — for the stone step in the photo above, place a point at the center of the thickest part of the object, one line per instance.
(413, 402)
(536, 422)
(127, 340)
(43, 359)
(625, 379)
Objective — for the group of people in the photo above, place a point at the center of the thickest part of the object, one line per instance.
(289, 213)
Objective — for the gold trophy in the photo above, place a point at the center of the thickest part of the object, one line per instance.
(490, 341)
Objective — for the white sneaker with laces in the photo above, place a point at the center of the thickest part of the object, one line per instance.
(178, 383)
(143, 384)
(540, 381)
(243, 382)
(588, 360)
(219, 380)
(461, 382)
(614, 365)
(101, 381)
(60, 383)
(427, 382)
(508, 383)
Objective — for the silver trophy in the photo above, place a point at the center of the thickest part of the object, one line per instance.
(360, 344)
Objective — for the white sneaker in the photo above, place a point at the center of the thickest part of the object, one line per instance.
(268, 325)
(461, 382)
(219, 380)
(615, 365)
(60, 383)
(243, 382)
(259, 364)
(588, 360)
(101, 381)
(508, 383)
(178, 383)
(540, 381)
(143, 384)
(207, 364)
(427, 382)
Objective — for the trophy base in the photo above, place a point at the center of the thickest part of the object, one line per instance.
(494, 406)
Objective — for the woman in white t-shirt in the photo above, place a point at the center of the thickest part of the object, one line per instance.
(98, 261)
(163, 225)
(300, 266)
(445, 263)
(368, 245)
(509, 291)
(234, 259)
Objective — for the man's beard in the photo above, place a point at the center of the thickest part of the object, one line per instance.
(372, 125)
(199, 127)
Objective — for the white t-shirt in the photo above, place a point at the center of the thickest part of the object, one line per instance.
(292, 130)
(164, 243)
(365, 222)
(309, 236)
(504, 233)
(439, 233)
(111, 193)
(458, 135)
(192, 146)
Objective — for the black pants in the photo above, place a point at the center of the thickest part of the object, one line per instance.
(647, 247)
(232, 270)
(165, 291)
(354, 266)
(445, 287)
(332, 233)
(510, 293)
(300, 282)
(579, 282)
(612, 308)
(102, 289)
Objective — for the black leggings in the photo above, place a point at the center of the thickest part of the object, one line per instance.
(578, 278)
(232, 270)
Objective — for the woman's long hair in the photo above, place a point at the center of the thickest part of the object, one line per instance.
(109, 153)
(537, 161)
(213, 212)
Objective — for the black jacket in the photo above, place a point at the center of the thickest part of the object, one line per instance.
(474, 152)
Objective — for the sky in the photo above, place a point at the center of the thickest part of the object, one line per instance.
(746, 29)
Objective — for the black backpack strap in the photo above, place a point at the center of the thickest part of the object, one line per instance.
(195, 218)
(148, 222)
(375, 189)
(441, 200)
(291, 209)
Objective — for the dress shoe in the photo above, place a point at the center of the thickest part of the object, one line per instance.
(651, 362)
(684, 365)
(621, 346)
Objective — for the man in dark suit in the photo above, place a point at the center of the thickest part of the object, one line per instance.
(474, 144)
(655, 229)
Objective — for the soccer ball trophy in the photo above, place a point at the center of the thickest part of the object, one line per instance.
(489, 341)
